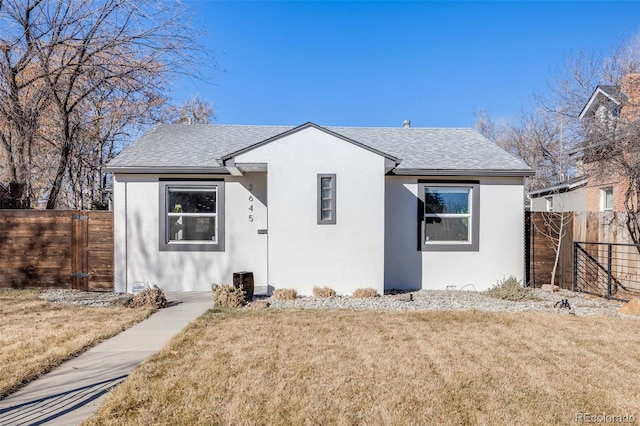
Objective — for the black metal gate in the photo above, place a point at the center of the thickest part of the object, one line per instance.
(607, 269)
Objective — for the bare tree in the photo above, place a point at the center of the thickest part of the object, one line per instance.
(554, 229)
(22, 96)
(192, 111)
(613, 154)
(546, 136)
(63, 59)
(537, 139)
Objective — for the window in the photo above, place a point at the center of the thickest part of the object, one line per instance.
(606, 199)
(192, 216)
(449, 216)
(326, 199)
(549, 201)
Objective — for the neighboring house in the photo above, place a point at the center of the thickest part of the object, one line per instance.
(568, 196)
(305, 206)
(593, 191)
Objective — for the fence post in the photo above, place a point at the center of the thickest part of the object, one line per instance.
(79, 256)
(609, 264)
(527, 248)
(575, 266)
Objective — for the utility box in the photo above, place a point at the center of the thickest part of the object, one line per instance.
(138, 286)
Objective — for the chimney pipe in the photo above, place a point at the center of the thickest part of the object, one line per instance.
(406, 124)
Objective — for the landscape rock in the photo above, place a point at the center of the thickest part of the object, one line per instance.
(582, 304)
(404, 297)
(442, 300)
(86, 298)
(258, 304)
(550, 287)
(631, 308)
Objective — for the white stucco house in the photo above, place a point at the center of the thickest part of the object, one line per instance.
(305, 206)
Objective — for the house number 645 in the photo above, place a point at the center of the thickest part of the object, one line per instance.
(250, 202)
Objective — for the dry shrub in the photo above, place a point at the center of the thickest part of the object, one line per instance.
(509, 289)
(153, 297)
(285, 294)
(228, 296)
(365, 293)
(324, 292)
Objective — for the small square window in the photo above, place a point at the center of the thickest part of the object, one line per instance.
(549, 201)
(606, 199)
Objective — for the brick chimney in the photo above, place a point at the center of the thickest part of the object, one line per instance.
(631, 87)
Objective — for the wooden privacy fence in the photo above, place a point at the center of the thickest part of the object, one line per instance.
(56, 248)
(541, 255)
(592, 227)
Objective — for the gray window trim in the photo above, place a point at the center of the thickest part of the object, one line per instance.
(474, 245)
(164, 245)
(331, 221)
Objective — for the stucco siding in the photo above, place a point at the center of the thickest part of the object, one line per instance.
(570, 201)
(302, 253)
(136, 227)
(501, 250)
(403, 260)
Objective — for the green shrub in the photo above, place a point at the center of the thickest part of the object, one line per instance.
(285, 294)
(509, 289)
(324, 292)
(153, 297)
(365, 293)
(228, 296)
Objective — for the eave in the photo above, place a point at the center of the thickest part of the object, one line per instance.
(465, 172)
(558, 189)
(592, 100)
(231, 157)
(170, 170)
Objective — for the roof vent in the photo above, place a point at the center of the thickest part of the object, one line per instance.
(406, 124)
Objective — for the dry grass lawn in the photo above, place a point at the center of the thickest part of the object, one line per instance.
(273, 367)
(36, 336)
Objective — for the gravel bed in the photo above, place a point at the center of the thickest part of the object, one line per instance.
(422, 300)
(444, 300)
(86, 298)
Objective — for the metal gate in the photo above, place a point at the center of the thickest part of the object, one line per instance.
(607, 269)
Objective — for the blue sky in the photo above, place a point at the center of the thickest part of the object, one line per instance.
(379, 63)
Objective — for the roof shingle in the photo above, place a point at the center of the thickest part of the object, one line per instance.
(200, 145)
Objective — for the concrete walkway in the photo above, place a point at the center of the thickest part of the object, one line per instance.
(73, 391)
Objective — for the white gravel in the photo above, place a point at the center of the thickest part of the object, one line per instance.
(431, 300)
(423, 300)
(85, 298)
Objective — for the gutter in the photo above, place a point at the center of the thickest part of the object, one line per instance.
(466, 172)
(558, 188)
(168, 170)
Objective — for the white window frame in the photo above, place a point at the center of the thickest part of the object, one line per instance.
(603, 199)
(165, 215)
(549, 203)
(473, 244)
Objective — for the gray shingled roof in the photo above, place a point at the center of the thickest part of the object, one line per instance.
(200, 145)
(614, 91)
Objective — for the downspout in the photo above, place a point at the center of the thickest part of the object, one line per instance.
(126, 239)
(268, 232)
